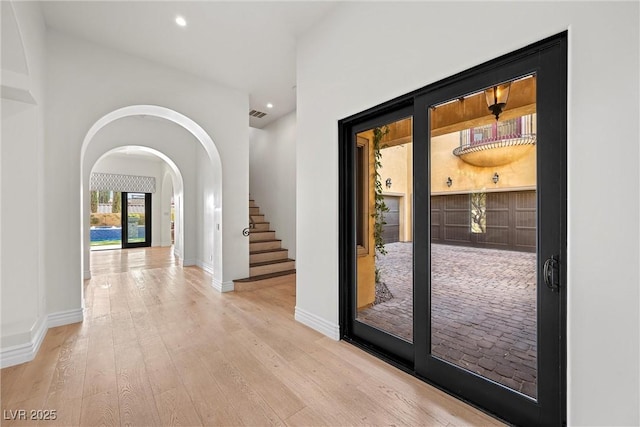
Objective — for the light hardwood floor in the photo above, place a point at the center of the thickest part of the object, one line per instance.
(159, 346)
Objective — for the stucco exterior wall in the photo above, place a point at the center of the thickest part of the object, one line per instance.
(518, 175)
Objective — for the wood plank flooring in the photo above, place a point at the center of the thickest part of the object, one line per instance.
(159, 346)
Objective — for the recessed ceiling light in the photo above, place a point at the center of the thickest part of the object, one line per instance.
(181, 21)
(269, 105)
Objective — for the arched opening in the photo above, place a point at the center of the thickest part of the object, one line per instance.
(153, 128)
(128, 163)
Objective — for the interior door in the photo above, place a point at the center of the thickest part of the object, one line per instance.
(136, 220)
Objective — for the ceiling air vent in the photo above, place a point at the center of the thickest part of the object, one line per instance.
(256, 113)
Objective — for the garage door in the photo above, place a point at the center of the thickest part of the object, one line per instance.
(391, 230)
(509, 221)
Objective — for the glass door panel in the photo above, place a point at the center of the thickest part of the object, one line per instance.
(484, 242)
(136, 211)
(136, 220)
(384, 227)
(105, 220)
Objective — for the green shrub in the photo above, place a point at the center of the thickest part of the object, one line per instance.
(106, 219)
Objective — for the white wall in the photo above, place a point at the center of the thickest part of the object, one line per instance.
(42, 273)
(272, 177)
(165, 205)
(85, 82)
(23, 317)
(128, 165)
(205, 210)
(367, 53)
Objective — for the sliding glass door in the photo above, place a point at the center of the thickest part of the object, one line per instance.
(453, 233)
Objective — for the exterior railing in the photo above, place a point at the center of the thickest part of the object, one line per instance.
(510, 132)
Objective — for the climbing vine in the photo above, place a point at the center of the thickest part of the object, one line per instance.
(380, 208)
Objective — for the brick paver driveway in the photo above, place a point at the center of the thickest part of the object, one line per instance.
(483, 309)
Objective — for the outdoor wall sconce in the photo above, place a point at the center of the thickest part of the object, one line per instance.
(388, 182)
(449, 181)
(497, 98)
(496, 178)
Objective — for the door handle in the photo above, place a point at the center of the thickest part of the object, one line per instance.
(551, 273)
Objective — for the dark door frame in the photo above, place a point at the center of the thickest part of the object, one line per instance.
(389, 346)
(125, 225)
(546, 59)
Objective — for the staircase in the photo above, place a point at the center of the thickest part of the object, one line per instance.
(268, 260)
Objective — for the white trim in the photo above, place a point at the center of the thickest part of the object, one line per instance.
(205, 266)
(222, 286)
(67, 317)
(22, 353)
(188, 262)
(16, 86)
(87, 274)
(393, 194)
(321, 325)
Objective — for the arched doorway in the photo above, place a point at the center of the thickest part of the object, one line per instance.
(94, 145)
(135, 168)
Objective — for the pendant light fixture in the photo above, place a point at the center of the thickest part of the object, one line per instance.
(497, 98)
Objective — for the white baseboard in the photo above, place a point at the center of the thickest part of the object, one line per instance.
(26, 352)
(62, 318)
(318, 323)
(87, 274)
(188, 262)
(222, 286)
(205, 266)
(22, 353)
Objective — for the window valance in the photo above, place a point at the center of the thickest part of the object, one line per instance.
(115, 182)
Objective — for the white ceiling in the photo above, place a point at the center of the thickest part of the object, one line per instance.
(250, 46)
